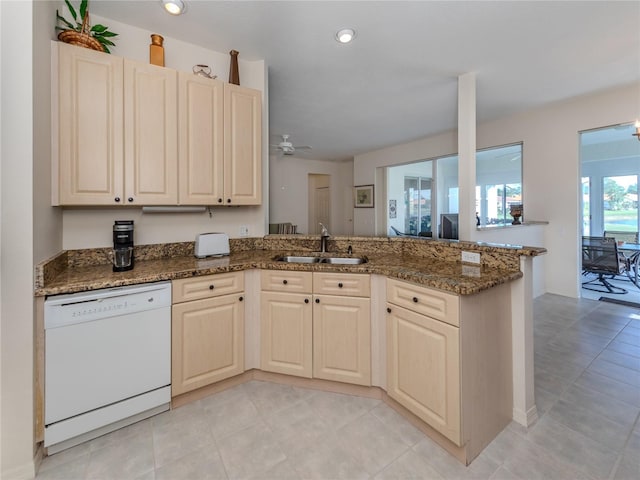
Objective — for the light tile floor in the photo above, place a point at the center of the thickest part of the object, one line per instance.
(587, 370)
(632, 295)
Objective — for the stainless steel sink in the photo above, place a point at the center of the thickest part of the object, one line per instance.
(344, 260)
(316, 259)
(297, 259)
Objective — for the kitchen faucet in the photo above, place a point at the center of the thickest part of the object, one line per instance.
(324, 236)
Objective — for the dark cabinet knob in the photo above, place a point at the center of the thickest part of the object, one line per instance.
(117, 199)
(284, 282)
(317, 300)
(340, 285)
(210, 287)
(130, 199)
(415, 299)
(228, 200)
(241, 298)
(388, 310)
(306, 300)
(219, 200)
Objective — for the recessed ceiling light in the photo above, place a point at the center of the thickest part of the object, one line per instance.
(345, 35)
(174, 7)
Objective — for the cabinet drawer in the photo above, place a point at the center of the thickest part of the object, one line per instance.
(286, 281)
(188, 289)
(351, 284)
(425, 301)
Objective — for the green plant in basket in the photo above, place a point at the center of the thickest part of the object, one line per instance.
(80, 32)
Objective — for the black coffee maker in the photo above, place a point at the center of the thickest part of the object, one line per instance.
(122, 245)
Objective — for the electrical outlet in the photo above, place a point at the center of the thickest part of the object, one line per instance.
(244, 231)
(470, 257)
(470, 271)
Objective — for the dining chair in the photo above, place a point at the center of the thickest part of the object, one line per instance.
(600, 256)
(633, 259)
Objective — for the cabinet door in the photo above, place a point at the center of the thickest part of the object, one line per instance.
(286, 333)
(151, 134)
(207, 338)
(423, 369)
(242, 145)
(89, 140)
(200, 103)
(342, 339)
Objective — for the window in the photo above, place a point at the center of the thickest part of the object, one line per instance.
(609, 174)
(419, 193)
(586, 207)
(620, 203)
(498, 183)
(417, 198)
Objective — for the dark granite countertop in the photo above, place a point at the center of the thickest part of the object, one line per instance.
(446, 275)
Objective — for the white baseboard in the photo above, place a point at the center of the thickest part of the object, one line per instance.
(526, 419)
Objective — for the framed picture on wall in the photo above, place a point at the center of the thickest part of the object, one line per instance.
(363, 196)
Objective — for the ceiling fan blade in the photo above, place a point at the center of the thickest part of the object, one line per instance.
(302, 147)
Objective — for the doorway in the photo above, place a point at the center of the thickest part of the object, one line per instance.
(319, 202)
(609, 175)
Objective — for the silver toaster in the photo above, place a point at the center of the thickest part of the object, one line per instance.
(211, 244)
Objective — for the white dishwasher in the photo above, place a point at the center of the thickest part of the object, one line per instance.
(107, 361)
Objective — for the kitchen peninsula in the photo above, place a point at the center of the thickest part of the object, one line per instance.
(438, 339)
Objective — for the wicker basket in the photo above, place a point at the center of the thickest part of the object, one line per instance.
(82, 38)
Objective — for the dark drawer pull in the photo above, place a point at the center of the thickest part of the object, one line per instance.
(306, 300)
(388, 310)
(415, 299)
(340, 285)
(130, 199)
(117, 199)
(317, 300)
(210, 287)
(241, 298)
(284, 282)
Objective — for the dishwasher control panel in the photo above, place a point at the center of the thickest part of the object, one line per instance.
(63, 310)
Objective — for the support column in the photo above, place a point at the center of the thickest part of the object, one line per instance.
(467, 155)
(524, 402)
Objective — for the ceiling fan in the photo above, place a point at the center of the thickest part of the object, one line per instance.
(287, 147)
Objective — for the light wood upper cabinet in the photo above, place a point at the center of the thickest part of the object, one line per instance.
(129, 133)
(201, 119)
(242, 145)
(150, 134)
(88, 146)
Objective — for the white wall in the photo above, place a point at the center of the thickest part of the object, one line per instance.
(16, 246)
(88, 228)
(289, 198)
(550, 169)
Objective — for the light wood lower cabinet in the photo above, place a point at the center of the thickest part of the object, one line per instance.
(286, 333)
(207, 335)
(309, 329)
(342, 339)
(449, 361)
(423, 368)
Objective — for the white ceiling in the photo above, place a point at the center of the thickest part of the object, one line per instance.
(397, 81)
